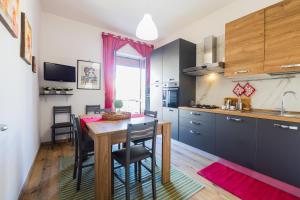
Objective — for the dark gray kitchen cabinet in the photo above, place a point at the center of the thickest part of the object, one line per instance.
(197, 129)
(278, 150)
(171, 115)
(236, 139)
(156, 71)
(171, 61)
(178, 55)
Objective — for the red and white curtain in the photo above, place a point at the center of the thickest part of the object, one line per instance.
(111, 44)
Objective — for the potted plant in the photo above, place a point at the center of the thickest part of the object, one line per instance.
(118, 105)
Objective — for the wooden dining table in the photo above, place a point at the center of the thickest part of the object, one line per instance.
(107, 133)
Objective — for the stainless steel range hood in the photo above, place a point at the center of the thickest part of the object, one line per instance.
(210, 64)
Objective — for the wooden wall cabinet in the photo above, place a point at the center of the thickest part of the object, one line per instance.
(267, 41)
(282, 37)
(244, 45)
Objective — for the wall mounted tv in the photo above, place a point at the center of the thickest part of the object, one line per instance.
(57, 72)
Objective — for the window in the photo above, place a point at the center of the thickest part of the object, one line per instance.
(131, 83)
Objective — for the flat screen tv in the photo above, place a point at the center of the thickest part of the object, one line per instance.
(57, 72)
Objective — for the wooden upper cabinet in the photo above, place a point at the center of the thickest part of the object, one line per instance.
(244, 45)
(282, 37)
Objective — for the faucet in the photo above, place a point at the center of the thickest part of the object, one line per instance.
(282, 109)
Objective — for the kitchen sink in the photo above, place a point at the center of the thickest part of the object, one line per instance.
(275, 113)
(266, 112)
(291, 115)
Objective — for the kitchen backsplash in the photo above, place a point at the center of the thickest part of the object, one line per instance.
(213, 89)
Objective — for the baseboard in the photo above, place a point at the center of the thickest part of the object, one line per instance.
(29, 174)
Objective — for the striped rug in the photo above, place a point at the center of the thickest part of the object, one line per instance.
(180, 186)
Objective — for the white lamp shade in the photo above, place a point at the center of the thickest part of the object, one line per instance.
(146, 29)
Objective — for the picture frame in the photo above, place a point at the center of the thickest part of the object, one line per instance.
(26, 39)
(34, 67)
(9, 15)
(88, 75)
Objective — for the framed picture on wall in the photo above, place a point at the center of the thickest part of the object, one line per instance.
(88, 75)
(34, 67)
(9, 15)
(26, 39)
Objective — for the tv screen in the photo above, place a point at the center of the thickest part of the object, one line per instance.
(57, 72)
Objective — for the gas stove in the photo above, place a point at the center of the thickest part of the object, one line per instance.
(205, 106)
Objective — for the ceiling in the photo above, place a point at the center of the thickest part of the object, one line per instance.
(122, 16)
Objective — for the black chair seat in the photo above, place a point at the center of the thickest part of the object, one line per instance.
(137, 153)
(139, 141)
(62, 125)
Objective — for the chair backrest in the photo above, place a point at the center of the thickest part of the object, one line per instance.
(144, 131)
(96, 109)
(61, 110)
(77, 131)
(107, 110)
(150, 113)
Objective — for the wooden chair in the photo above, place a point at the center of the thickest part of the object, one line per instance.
(62, 125)
(149, 114)
(107, 110)
(84, 148)
(96, 109)
(136, 153)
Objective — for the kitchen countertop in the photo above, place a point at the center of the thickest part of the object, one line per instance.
(255, 113)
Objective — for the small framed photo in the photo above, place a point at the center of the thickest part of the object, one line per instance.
(26, 39)
(88, 75)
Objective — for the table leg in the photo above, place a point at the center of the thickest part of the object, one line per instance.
(166, 153)
(103, 167)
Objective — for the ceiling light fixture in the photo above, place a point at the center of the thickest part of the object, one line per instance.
(146, 29)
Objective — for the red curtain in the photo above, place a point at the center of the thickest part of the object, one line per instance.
(111, 44)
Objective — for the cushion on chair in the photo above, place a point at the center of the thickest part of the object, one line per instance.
(137, 153)
(62, 125)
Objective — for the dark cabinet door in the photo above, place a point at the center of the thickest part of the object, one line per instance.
(171, 61)
(236, 139)
(198, 131)
(278, 153)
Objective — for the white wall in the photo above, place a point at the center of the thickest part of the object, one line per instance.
(268, 93)
(64, 41)
(18, 107)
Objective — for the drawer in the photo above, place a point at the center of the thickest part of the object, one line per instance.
(204, 140)
(193, 115)
(197, 124)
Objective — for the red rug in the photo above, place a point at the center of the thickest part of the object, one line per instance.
(241, 185)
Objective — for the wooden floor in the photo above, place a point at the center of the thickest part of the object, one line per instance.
(43, 180)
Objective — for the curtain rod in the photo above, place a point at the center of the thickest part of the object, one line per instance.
(126, 38)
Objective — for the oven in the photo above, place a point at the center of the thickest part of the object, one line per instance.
(170, 97)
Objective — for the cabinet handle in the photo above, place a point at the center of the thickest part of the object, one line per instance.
(233, 119)
(242, 72)
(156, 81)
(289, 66)
(196, 133)
(194, 113)
(156, 85)
(195, 123)
(294, 128)
(171, 79)
(171, 110)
